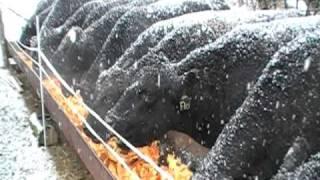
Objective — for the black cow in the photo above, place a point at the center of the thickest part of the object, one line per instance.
(308, 170)
(72, 58)
(114, 81)
(181, 26)
(204, 89)
(296, 155)
(87, 14)
(179, 43)
(134, 23)
(283, 104)
(61, 11)
(78, 47)
(91, 18)
(146, 40)
(42, 11)
(186, 37)
(52, 35)
(221, 22)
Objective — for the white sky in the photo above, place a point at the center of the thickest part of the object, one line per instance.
(12, 23)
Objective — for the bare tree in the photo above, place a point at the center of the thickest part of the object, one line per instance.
(312, 6)
(240, 2)
(285, 4)
(272, 4)
(264, 4)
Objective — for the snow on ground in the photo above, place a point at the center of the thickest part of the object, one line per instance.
(20, 156)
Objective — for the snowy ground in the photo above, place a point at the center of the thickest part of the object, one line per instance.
(20, 157)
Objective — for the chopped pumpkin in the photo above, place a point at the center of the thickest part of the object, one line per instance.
(145, 171)
(25, 59)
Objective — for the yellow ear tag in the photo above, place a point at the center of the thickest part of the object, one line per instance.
(185, 103)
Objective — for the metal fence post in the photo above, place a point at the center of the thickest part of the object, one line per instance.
(3, 43)
(41, 83)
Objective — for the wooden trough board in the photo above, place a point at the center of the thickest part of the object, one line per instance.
(70, 132)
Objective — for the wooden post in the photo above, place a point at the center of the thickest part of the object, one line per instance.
(3, 43)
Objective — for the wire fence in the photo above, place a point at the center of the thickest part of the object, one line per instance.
(44, 61)
(108, 147)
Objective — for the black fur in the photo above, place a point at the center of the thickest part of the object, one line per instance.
(283, 104)
(179, 42)
(75, 58)
(215, 81)
(135, 22)
(54, 34)
(308, 170)
(42, 11)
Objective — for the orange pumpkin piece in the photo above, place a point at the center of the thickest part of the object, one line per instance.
(145, 171)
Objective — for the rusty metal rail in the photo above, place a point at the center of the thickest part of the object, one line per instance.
(70, 132)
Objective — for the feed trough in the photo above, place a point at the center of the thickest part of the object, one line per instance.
(69, 130)
(67, 112)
